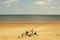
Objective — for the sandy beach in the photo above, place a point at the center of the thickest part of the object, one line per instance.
(45, 31)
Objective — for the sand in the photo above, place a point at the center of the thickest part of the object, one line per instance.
(45, 31)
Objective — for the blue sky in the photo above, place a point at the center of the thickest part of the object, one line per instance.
(29, 6)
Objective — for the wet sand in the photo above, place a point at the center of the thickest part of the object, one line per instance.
(45, 31)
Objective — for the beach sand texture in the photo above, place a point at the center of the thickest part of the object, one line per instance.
(45, 31)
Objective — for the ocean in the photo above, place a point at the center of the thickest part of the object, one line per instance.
(29, 18)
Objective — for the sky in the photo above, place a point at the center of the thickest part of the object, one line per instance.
(29, 7)
(29, 18)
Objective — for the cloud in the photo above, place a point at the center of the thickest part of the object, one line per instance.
(9, 6)
(49, 0)
(10, 3)
(44, 2)
(47, 4)
(40, 3)
(53, 7)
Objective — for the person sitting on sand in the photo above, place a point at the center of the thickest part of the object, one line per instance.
(35, 33)
(29, 35)
(22, 34)
(26, 33)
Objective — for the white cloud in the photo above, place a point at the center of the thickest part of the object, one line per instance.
(50, 4)
(41, 2)
(9, 6)
(53, 7)
(9, 2)
(50, 0)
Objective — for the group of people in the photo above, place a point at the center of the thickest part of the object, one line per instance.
(29, 33)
